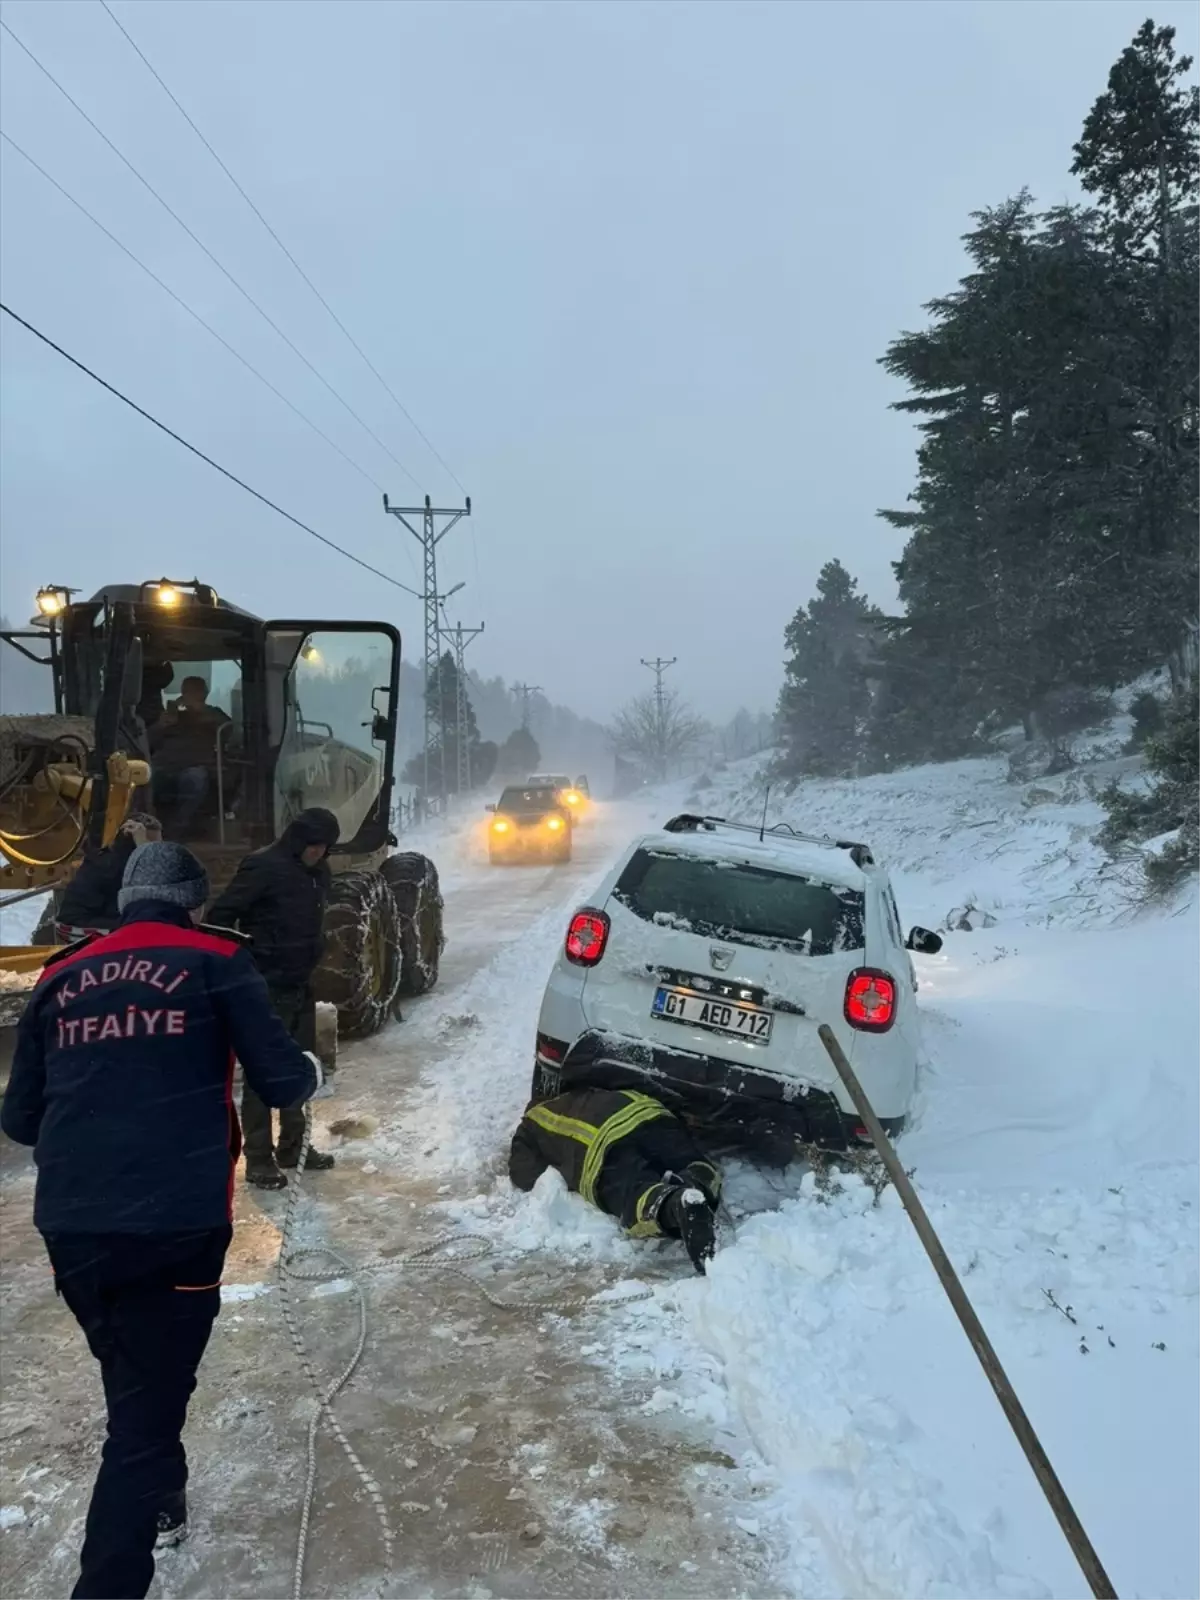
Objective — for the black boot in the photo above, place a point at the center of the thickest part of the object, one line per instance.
(263, 1173)
(688, 1214)
(317, 1160)
(259, 1142)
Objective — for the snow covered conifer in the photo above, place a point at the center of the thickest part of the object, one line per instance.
(826, 696)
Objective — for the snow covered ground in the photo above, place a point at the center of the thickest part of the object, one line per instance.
(1055, 1147)
(1054, 1144)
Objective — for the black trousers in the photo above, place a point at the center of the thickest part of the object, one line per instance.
(297, 1011)
(147, 1304)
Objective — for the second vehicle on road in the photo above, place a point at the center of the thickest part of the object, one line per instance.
(530, 823)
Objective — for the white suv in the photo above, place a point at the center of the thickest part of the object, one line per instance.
(709, 957)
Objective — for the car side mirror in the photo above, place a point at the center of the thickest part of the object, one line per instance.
(923, 941)
(380, 728)
(489, 808)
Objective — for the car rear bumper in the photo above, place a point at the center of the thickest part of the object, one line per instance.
(721, 1096)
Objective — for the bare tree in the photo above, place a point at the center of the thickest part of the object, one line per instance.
(656, 731)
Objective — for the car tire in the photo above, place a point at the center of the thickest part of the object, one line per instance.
(359, 971)
(413, 880)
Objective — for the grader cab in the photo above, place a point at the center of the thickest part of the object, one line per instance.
(170, 699)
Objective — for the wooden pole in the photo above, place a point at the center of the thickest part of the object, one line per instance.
(1084, 1552)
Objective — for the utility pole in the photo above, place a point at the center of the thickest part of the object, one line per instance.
(526, 691)
(460, 638)
(658, 667)
(429, 537)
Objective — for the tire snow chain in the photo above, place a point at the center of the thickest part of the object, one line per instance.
(468, 1246)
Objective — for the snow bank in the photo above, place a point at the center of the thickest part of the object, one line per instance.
(1054, 1144)
(1055, 1152)
(472, 1093)
(961, 834)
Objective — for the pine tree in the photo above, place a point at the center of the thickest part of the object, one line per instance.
(441, 696)
(1027, 569)
(519, 755)
(1139, 156)
(825, 701)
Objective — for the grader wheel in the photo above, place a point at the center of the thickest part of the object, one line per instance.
(414, 883)
(360, 970)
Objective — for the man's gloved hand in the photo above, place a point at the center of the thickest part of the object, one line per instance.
(324, 1089)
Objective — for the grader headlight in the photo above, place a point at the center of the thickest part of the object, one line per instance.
(52, 601)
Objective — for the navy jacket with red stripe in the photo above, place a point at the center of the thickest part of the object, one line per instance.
(123, 1075)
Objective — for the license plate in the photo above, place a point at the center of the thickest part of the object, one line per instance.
(720, 1016)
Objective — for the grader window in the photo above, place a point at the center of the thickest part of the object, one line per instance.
(193, 712)
(332, 691)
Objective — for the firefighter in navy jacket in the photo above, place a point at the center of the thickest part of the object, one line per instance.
(122, 1083)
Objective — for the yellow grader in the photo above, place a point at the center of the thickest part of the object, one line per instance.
(302, 713)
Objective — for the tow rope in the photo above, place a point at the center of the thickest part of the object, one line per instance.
(290, 1270)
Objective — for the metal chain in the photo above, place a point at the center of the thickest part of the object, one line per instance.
(468, 1247)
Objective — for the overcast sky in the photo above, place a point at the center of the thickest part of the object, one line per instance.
(630, 267)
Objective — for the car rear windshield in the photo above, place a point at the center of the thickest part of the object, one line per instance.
(746, 905)
(528, 800)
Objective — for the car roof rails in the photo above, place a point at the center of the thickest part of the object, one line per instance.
(689, 822)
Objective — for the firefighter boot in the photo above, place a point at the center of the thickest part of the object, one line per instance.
(264, 1174)
(688, 1213)
(315, 1161)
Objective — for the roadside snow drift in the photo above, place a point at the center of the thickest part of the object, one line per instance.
(1054, 1144)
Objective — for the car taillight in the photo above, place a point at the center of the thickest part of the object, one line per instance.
(586, 937)
(549, 1049)
(870, 1000)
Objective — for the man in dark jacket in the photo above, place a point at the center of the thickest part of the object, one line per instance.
(89, 902)
(121, 1082)
(277, 897)
(623, 1151)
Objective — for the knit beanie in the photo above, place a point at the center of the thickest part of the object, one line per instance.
(165, 872)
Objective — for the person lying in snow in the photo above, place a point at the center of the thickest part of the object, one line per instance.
(626, 1154)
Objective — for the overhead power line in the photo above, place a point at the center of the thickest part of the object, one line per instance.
(225, 272)
(208, 460)
(175, 101)
(179, 301)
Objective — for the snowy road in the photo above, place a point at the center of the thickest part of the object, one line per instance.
(511, 1462)
(808, 1420)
